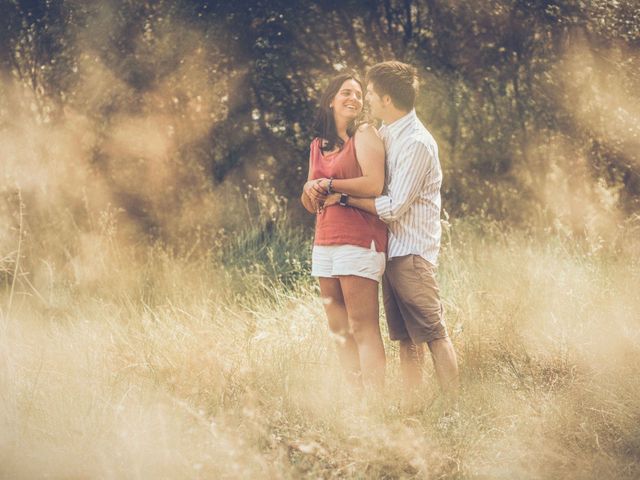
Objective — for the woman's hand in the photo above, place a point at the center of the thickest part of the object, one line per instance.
(323, 183)
(315, 191)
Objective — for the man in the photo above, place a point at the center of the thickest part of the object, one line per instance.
(411, 208)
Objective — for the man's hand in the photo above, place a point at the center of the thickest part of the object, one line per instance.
(332, 199)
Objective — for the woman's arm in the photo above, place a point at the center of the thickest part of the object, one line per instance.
(370, 156)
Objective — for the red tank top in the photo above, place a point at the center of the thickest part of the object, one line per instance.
(338, 225)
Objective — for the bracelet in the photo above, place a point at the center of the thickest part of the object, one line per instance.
(330, 186)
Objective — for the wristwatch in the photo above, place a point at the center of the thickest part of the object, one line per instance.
(344, 199)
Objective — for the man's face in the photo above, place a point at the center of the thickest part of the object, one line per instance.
(376, 105)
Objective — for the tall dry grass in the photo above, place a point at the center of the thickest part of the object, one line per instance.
(132, 361)
(204, 353)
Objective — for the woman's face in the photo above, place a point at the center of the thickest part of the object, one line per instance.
(347, 104)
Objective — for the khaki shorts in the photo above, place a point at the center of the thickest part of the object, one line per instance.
(412, 300)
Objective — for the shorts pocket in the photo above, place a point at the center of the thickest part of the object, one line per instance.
(422, 267)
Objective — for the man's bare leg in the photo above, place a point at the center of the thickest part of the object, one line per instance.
(411, 363)
(446, 367)
(444, 361)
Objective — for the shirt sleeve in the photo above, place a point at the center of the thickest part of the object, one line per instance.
(406, 182)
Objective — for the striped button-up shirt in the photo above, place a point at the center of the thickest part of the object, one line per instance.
(411, 203)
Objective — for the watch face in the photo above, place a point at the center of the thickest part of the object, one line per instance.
(344, 198)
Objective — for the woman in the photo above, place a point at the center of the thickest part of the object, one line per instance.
(348, 257)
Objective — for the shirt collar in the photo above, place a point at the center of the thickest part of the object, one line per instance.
(394, 128)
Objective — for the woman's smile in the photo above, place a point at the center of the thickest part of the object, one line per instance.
(348, 100)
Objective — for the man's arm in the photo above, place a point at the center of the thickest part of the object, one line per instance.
(406, 183)
(405, 186)
(365, 204)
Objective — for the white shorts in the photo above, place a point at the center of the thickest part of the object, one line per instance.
(333, 260)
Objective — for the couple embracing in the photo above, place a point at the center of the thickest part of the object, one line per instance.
(371, 230)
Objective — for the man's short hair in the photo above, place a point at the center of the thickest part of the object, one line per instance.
(396, 79)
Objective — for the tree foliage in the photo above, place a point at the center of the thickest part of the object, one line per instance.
(511, 88)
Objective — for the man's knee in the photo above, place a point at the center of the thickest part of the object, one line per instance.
(410, 351)
(440, 343)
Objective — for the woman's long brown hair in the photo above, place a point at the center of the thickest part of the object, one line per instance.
(325, 125)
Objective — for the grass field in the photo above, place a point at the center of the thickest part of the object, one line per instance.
(131, 361)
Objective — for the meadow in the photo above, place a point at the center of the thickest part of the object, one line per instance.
(137, 360)
(157, 316)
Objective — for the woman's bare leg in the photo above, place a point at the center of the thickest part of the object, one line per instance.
(361, 300)
(346, 346)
